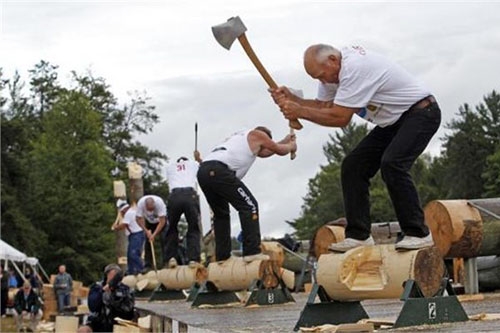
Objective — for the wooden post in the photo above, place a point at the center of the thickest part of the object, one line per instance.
(136, 183)
(379, 271)
(461, 230)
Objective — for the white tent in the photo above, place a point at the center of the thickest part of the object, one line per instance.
(10, 253)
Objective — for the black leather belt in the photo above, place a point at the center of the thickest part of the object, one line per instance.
(423, 103)
(183, 189)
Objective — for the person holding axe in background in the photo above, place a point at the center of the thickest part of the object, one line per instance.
(151, 217)
(354, 80)
(220, 176)
(135, 236)
(183, 199)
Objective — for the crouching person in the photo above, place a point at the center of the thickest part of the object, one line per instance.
(27, 305)
(107, 300)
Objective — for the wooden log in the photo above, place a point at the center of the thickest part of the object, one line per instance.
(333, 232)
(325, 236)
(234, 274)
(148, 281)
(379, 271)
(274, 251)
(182, 277)
(460, 230)
(288, 278)
(130, 281)
(488, 272)
(66, 324)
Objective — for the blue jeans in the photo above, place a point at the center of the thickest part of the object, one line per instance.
(135, 246)
(63, 300)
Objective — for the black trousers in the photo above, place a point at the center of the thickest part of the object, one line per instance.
(148, 256)
(221, 188)
(393, 150)
(183, 201)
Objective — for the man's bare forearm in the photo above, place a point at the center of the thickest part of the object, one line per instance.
(140, 222)
(325, 116)
(314, 103)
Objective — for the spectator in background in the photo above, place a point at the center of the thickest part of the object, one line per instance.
(135, 236)
(27, 303)
(4, 278)
(32, 278)
(63, 285)
(13, 282)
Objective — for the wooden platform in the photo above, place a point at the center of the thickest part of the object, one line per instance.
(282, 318)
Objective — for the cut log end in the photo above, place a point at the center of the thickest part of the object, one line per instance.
(429, 270)
(325, 236)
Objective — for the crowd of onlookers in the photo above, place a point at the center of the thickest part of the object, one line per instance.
(26, 302)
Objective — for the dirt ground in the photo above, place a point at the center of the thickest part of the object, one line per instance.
(282, 318)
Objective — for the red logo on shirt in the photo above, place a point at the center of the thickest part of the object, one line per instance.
(360, 49)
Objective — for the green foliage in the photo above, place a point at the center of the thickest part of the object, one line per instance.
(70, 187)
(475, 135)
(61, 148)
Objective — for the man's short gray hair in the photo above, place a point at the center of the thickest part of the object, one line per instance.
(321, 52)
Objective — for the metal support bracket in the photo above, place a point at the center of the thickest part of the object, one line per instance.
(143, 294)
(193, 291)
(268, 296)
(444, 307)
(328, 311)
(163, 294)
(209, 295)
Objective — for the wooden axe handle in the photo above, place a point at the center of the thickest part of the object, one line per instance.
(294, 124)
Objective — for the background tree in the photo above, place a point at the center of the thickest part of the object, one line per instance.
(49, 131)
(70, 187)
(475, 135)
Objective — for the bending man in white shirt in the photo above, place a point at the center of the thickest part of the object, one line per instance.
(355, 81)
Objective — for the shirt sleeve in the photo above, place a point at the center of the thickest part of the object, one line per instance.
(127, 219)
(326, 92)
(162, 208)
(139, 212)
(357, 88)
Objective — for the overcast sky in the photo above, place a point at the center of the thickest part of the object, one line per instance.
(167, 49)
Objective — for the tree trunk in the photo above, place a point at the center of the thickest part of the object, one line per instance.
(234, 274)
(461, 230)
(182, 277)
(273, 250)
(382, 233)
(379, 271)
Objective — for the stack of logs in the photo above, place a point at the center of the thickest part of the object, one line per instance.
(233, 274)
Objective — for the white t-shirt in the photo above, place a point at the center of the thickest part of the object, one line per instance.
(379, 88)
(151, 216)
(182, 174)
(130, 221)
(235, 153)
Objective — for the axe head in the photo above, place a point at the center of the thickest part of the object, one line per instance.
(227, 32)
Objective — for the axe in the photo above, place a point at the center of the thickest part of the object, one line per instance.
(226, 33)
